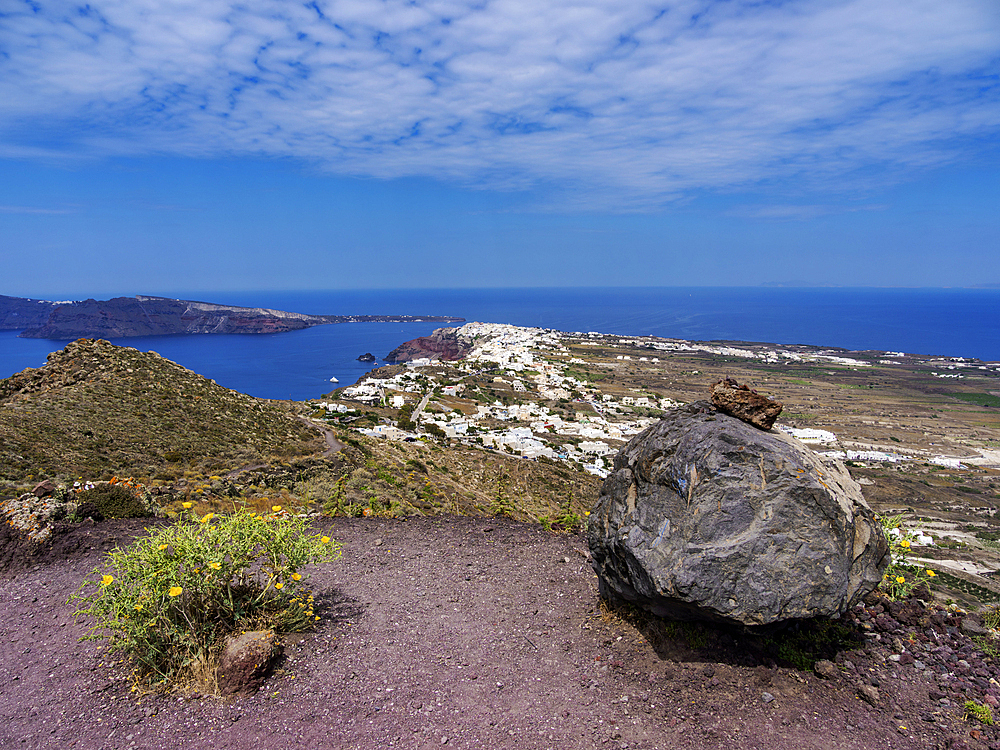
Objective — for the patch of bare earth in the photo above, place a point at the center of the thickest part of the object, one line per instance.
(458, 632)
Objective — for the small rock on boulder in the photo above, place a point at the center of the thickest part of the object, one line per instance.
(246, 660)
(705, 517)
(43, 489)
(743, 403)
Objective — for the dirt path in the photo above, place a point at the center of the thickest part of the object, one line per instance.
(454, 632)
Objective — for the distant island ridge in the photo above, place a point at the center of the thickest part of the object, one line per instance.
(144, 315)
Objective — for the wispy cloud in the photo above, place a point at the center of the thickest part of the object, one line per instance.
(798, 212)
(609, 103)
(34, 210)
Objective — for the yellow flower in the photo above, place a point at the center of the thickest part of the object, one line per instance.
(324, 540)
(275, 508)
(904, 543)
(214, 565)
(175, 591)
(278, 585)
(138, 608)
(162, 547)
(900, 579)
(931, 574)
(106, 581)
(208, 517)
(186, 505)
(296, 577)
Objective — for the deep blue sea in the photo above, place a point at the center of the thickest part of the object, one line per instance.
(299, 364)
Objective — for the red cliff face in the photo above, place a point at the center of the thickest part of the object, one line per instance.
(443, 344)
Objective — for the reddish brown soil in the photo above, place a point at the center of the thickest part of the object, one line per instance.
(464, 633)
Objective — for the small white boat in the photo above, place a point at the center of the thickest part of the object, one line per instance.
(334, 380)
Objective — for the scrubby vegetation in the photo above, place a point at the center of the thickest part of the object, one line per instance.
(903, 577)
(169, 600)
(98, 410)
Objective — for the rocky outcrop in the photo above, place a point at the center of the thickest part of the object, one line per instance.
(444, 344)
(706, 517)
(743, 403)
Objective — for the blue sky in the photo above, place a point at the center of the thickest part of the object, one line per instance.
(148, 146)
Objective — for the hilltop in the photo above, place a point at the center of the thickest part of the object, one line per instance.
(96, 409)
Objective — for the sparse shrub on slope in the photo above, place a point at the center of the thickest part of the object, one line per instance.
(169, 600)
(111, 501)
(903, 576)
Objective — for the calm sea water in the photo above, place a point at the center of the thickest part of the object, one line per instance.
(299, 364)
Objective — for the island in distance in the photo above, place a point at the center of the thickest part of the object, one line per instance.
(160, 316)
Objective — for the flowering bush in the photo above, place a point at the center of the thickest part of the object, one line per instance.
(902, 576)
(169, 600)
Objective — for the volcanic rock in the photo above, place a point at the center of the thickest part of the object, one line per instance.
(367, 357)
(743, 403)
(446, 344)
(246, 660)
(706, 517)
(44, 489)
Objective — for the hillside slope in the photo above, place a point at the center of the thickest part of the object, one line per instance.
(96, 408)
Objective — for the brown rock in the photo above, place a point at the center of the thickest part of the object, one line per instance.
(43, 489)
(869, 694)
(826, 669)
(246, 661)
(743, 403)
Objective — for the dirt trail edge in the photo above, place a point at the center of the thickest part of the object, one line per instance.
(447, 631)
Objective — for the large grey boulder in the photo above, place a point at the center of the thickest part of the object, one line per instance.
(707, 517)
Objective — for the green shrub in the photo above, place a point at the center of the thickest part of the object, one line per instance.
(169, 600)
(902, 577)
(979, 712)
(112, 501)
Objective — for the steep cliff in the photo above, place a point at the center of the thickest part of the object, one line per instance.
(444, 344)
(158, 316)
(17, 313)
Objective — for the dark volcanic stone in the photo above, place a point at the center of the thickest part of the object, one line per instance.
(246, 660)
(43, 489)
(739, 401)
(706, 517)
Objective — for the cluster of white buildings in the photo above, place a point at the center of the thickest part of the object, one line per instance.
(532, 360)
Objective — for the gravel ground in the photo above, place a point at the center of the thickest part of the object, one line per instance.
(471, 632)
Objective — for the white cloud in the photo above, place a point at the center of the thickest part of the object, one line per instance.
(609, 102)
